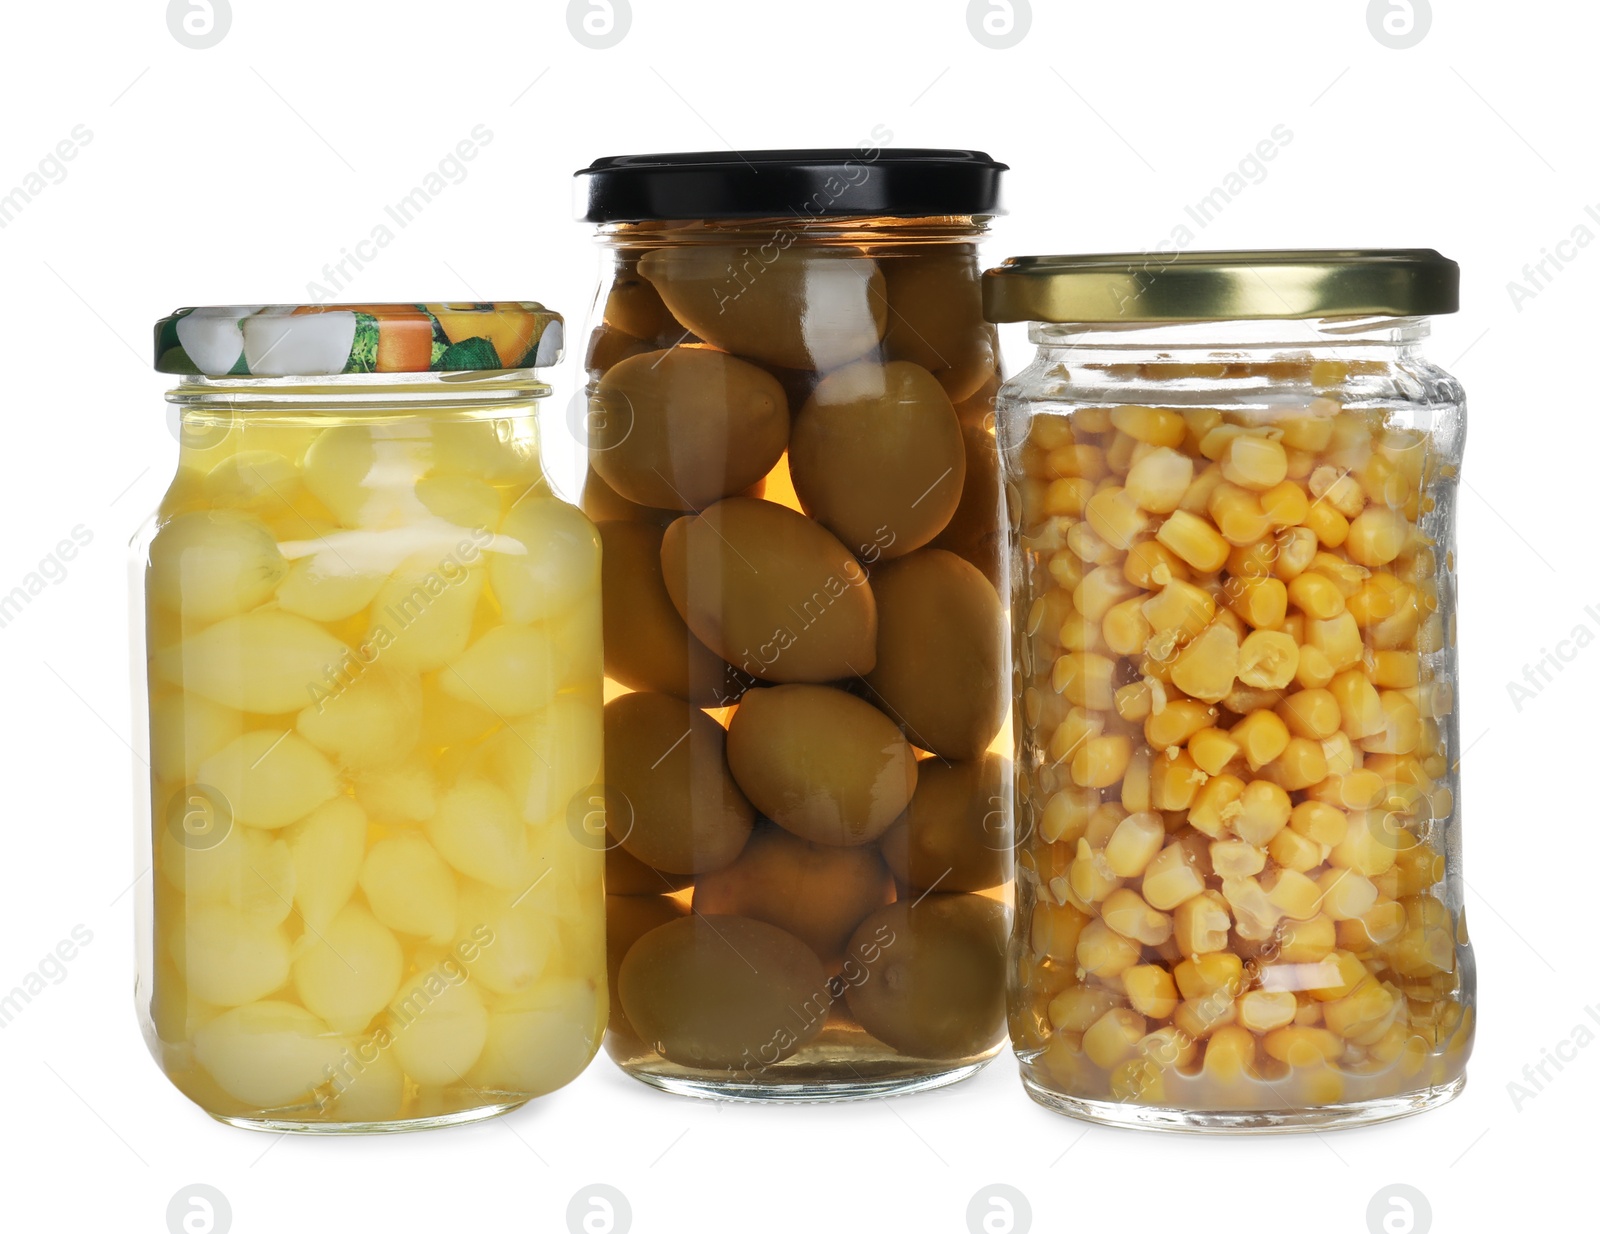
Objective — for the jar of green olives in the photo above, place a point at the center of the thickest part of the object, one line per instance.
(792, 463)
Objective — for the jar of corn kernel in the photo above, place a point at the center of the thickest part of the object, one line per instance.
(793, 467)
(373, 695)
(1232, 485)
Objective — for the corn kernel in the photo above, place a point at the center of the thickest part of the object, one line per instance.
(1365, 848)
(1114, 1037)
(1151, 565)
(1319, 821)
(1132, 701)
(1292, 894)
(1206, 668)
(1314, 670)
(1315, 595)
(1198, 496)
(1261, 1011)
(1136, 782)
(1268, 659)
(1180, 607)
(1296, 548)
(1347, 895)
(1200, 925)
(1327, 524)
(1250, 561)
(1127, 913)
(1361, 709)
(1236, 859)
(1100, 591)
(1230, 1056)
(1293, 851)
(1102, 952)
(1262, 736)
(1168, 1047)
(1303, 1047)
(1066, 814)
(1254, 462)
(1176, 722)
(1201, 975)
(1070, 735)
(1137, 1079)
(1301, 765)
(1285, 504)
(1174, 781)
(1115, 517)
(1402, 725)
(1262, 601)
(1085, 679)
(1337, 975)
(1067, 497)
(1158, 426)
(1159, 479)
(1125, 627)
(1137, 839)
(1307, 941)
(1055, 931)
(1338, 490)
(1310, 432)
(1077, 1007)
(1237, 514)
(1193, 539)
(1212, 750)
(1311, 713)
(1089, 877)
(1254, 916)
(1171, 878)
(1396, 670)
(1199, 1018)
(1215, 805)
(1214, 445)
(1369, 1006)
(1376, 536)
(1086, 461)
(1151, 990)
(1338, 639)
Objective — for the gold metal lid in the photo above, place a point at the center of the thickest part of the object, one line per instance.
(1222, 286)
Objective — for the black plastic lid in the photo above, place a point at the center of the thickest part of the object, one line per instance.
(779, 183)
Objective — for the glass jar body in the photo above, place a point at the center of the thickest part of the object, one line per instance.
(372, 689)
(794, 471)
(1239, 895)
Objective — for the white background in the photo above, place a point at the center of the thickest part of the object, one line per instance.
(235, 173)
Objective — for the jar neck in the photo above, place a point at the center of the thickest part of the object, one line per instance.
(800, 228)
(497, 393)
(1197, 341)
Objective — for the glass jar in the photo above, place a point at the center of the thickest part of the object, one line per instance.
(373, 688)
(793, 467)
(1232, 480)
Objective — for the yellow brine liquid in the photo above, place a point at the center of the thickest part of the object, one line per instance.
(375, 723)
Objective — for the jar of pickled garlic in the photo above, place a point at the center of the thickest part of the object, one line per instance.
(374, 692)
(794, 472)
(1232, 485)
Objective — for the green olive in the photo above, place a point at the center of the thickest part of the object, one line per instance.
(723, 992)
(633, 306)
(936, 319)
(608, 346)
(976, 531)
(941, 643)
(603, 504)
(684, 427)
(771, 592)
(647, 646)
(927, 977)
(877, 457)
(669, 798)
(628, 919)
(953, 835)
(822, 763)
(799, 308)
(817, 892)
(626, 875)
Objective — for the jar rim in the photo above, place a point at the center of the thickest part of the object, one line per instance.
(1246, 285)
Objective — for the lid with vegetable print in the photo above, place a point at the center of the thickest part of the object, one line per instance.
(317, 340)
